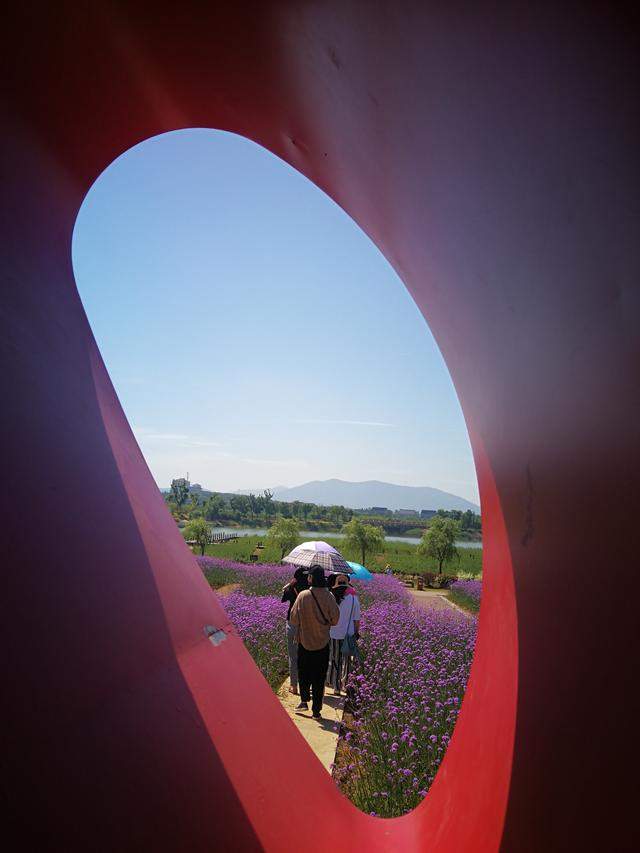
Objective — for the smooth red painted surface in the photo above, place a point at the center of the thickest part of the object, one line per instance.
(489, 152)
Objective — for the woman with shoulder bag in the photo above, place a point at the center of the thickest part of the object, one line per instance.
(343, 643)
(313, 613)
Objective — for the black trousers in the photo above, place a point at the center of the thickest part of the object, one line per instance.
(312, 671)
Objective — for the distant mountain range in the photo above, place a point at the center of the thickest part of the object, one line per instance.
(368, 494)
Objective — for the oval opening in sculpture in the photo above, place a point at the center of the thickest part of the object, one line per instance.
(230, 349)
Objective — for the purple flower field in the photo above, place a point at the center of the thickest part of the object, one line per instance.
(255, 578)
(405, 693)
(259, 619)
(467, 594)
(406, 696)
(381, 589)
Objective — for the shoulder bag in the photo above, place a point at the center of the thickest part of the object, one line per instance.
(325, 621)
(349, 645)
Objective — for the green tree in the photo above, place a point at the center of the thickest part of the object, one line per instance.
(241, 504)
(364, 537)
(469, 520)
(284, 508)
(284, 533)
(438, 541)
(200, 532)
(336, 514)
(215, 507)
(254, 504)
(180, 491)
(267, 497)
(318, 512)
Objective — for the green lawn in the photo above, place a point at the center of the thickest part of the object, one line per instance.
(401, 556)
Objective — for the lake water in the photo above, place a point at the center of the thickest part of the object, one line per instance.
(316, 534)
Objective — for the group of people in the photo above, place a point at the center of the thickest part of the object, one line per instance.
(323, 623)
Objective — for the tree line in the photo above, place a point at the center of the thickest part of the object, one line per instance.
(249, 509)
(255, 509)
(438, 540)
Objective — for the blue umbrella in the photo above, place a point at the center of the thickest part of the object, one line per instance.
(360, 572)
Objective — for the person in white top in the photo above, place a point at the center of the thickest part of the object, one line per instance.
(348, 625)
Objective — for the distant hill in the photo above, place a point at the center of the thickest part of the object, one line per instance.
(370, 493)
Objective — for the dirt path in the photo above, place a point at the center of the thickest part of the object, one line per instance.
(434, 599)
(322, 736)
(227, 588)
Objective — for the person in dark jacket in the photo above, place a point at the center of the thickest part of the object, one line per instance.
(289, 595)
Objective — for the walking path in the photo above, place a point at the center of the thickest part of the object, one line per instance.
(434, 599)
(321, 735)
(430, 599)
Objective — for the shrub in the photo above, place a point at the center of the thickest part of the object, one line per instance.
(441, 581)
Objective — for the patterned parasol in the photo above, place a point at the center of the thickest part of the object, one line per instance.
(318, 554)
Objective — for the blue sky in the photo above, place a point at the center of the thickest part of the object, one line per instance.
(254, 334)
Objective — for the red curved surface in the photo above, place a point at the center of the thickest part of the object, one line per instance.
(489, 154)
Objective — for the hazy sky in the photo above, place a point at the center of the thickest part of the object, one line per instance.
(255, 336)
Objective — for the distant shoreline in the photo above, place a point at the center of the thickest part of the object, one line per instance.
(399, 554)
(310, 526)
(260, 532)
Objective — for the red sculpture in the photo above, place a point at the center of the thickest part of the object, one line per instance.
(489, 153)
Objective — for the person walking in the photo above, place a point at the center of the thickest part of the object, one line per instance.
(289, 594)
(348, 626)
(313, 613)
